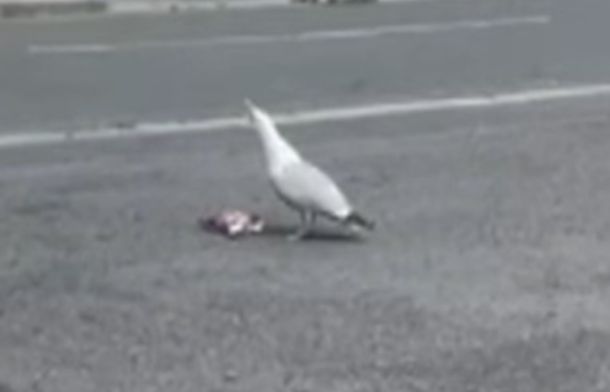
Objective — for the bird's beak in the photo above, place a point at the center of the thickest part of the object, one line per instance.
(251, 110)
(249, 104)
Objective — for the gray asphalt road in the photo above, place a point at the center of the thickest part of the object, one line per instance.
(183, 82)
(488, 271)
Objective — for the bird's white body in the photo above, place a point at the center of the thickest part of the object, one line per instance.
(299, 183)
(304, 186)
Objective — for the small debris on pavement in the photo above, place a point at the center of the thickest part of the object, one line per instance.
(232, 223)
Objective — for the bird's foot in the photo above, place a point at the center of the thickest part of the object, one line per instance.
(298, 236)
(354, 230)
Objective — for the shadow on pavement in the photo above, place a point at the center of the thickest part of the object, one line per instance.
(317, 234)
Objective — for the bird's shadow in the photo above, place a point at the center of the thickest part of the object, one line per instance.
(317, 234)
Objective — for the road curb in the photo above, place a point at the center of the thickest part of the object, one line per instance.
(145, 6)
(13, 9)
(28, 9)
(10, 9)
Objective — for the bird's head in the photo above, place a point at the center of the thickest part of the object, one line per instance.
(277, 149)
(257, 117)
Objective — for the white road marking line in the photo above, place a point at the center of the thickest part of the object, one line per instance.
(308, 36)
(312, 116)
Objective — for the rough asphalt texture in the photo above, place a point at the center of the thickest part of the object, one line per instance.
(185, 82)
(489, 270)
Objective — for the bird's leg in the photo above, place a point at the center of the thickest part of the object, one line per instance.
(307, 219)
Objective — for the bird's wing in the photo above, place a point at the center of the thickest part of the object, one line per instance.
(306, 186)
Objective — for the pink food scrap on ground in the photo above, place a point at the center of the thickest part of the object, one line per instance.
(233, 223)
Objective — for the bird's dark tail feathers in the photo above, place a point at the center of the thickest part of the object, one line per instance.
(359, 220)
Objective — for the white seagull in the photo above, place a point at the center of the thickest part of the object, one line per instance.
(299, 183)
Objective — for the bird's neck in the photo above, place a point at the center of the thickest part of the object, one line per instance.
(278, 151)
